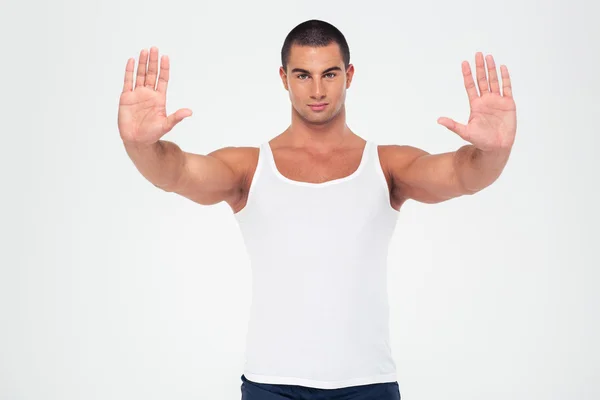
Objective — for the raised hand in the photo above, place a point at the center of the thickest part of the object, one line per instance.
(492, 124)
(142, 115)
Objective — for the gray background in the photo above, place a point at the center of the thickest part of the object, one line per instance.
(113, 289)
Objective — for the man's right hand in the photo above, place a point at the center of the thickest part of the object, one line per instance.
(142, 115)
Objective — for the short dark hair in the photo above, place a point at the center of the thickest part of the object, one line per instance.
(314, 33)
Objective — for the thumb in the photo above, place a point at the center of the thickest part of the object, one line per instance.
(454, 126)
(177, 117)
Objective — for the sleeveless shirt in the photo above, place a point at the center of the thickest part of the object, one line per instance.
(318, 254)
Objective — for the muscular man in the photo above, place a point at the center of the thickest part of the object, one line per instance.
(317, 205)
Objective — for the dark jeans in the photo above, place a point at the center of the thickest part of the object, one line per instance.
(263, 391)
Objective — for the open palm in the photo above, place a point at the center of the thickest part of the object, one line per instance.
(142, 115)
(492, 123)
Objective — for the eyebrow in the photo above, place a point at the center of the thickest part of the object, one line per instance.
(308, 72)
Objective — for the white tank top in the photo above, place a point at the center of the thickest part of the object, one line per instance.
(318, 254)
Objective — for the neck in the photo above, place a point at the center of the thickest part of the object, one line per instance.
(318, 136)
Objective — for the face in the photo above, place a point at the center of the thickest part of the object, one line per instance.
(314, 76)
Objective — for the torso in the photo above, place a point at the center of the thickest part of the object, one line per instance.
(300, 165)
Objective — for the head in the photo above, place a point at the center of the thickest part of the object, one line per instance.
(315, 68)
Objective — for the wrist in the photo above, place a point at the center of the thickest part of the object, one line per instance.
(498, 153)
(141, 146)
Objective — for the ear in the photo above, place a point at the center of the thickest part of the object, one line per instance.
(283, 76)
(349, 75)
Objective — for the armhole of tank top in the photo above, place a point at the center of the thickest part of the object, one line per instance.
(257, 171)
(382, 180)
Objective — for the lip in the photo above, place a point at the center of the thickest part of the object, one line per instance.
(317, 106)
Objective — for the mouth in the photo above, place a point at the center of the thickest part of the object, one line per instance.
(318, 106)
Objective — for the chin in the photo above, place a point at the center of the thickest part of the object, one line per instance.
(319, 120)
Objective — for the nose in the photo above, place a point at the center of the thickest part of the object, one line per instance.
(318, 90)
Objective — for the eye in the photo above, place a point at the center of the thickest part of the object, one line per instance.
(332, 74)
(301, 75)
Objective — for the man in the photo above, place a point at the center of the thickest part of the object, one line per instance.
(317, 205)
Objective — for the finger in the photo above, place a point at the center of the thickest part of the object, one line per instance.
(493, 75)
(469, 83)
(141, 72)
(128, 84)
(152, 69)
(506, 85)
(481, 79)
(163, 78)
(176, 118)
(454, 126)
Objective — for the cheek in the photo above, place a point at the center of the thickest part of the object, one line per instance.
(296, 94)
(337, 95)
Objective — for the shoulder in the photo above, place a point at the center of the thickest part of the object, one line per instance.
(241, 160)
(399, 152)
(395, 158)
(236, 156)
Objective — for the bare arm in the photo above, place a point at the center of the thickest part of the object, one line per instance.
(491, 130)
(160, 163)
(433, 178)
(205, 179)
(143, 120)
(215, 177)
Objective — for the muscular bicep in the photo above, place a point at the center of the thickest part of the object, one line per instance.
(421, 176)
(213, 178)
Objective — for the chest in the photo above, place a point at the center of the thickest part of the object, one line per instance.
(301, 166)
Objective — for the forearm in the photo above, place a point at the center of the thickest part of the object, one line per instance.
(160, 163)
(476, 169)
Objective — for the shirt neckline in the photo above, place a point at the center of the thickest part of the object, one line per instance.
(363, 161)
